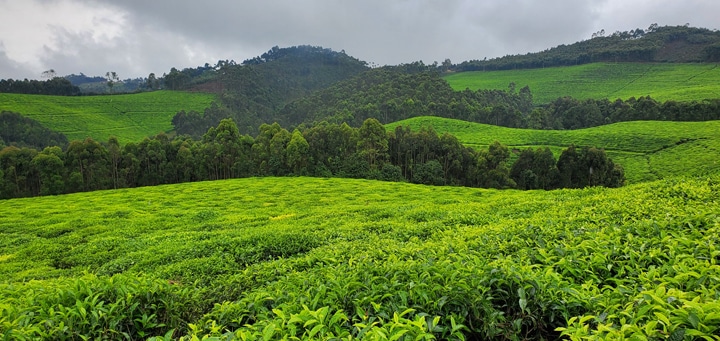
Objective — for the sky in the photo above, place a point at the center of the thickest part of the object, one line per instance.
(137, 37)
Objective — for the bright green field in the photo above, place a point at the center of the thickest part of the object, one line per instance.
(647, 150)
(129, 117)
(267, 258)
(661, 81)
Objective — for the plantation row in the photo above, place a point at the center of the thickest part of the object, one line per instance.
(679, 82)
(324, 150)
(302, 258)
(129, 117)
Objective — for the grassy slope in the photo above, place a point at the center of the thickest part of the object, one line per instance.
(670, 81)
(347, 243)
(129, 117)
(648, 150)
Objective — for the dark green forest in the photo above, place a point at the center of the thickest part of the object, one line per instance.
(678, 44)
(17, 130)
(391, 94)
(253, 92)
(57, 86)
(324, 150)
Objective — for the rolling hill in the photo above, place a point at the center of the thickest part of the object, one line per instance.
(647, 150)
(129, 117)
(663, 82)
(275, 258)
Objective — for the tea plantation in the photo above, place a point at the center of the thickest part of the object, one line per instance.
(129, 117)
(661, 81)
(311, 258)
(647, 150)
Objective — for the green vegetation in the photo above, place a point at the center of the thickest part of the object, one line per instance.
(253, 92)
(663, 82)
(324, 150)
(18, 130)
(676, 44)
(129, 117)
(330, 258)
(647, 150)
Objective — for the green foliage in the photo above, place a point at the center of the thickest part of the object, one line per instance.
(129, 117)
(394, 93)
(22, 131)
(303, 258)
(253, 92)
(647, 150)
(656, 44)
(56, 86)
(662, 81)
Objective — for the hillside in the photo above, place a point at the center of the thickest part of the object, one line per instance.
(253, 92)
(647, 150)
(329, 258)
(675, 44)
(129, 117)
(663, 82)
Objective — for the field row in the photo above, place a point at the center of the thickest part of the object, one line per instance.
(129, 117)
(268, 258)
(663, 82)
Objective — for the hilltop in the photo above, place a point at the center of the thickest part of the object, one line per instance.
(251, 93)
(675, 44)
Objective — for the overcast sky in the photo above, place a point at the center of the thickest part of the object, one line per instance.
(137, 37)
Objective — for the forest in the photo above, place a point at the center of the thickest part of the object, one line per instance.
(391, 94)
(324, 150)
(18, 130)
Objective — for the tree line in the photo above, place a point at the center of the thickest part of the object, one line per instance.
(57, 86)
(655, 44)
(326, 150)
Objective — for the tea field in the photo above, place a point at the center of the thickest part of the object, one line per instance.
(647, 150)
(661, 81)
(129, 117)
(312, 258)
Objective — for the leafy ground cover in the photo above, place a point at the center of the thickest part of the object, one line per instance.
(308, 258)
(647, 150)
(129, 117)
(661, 81)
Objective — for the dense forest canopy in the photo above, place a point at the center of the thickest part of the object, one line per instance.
(17, 130)
(57, 86)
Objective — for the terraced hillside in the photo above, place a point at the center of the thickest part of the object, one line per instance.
(648, 150)
(128, 117)
(308, 258)
(661, 81)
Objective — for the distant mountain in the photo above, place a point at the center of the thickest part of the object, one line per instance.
(679, 44)
(81, 79)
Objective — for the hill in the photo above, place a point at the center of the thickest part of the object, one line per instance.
(330, 258)
(129, 117)
(676, 44)
(663, 82)
(647, 150)
(253, 92)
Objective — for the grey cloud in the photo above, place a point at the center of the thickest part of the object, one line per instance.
(160, 34)
(12, 69)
